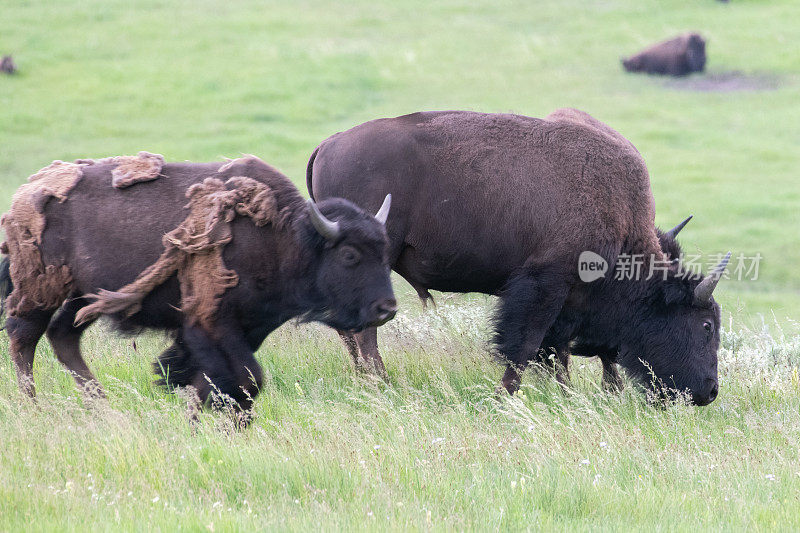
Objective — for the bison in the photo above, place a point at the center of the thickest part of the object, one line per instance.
(505, 204)
(679, 56)
(246, 254)
(7, 65)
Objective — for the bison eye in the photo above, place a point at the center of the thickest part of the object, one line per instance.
(708, 326)
(349, 255)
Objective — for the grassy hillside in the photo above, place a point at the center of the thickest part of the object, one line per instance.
(201, 79)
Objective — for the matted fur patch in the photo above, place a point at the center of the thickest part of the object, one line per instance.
(131, 169)
(36, 285)
(193, 250)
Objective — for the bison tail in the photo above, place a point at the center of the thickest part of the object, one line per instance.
(310, 172)
(175, 366)
(6, 285)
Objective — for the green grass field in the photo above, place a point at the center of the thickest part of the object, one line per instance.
(435, 448)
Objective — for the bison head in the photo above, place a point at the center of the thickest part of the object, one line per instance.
(673, 339)
(351, 279)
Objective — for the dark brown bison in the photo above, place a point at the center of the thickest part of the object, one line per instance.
(505, 204)
(246, 254)
(7, 65)
(675, 57)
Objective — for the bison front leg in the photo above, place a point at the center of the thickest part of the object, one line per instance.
(363, 348)
(529, 306)
(220, 363)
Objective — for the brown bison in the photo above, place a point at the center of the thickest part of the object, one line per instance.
(675, 57)
(246, 254)
(505, 204)
(7, 65)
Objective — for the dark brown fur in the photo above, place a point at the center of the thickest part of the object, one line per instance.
(679, 56)
(568, 155)
(7, 65)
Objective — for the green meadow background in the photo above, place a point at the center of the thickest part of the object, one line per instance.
(435, 448)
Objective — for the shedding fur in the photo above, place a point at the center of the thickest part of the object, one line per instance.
(36, 285)
(131, 169)
(194, 249)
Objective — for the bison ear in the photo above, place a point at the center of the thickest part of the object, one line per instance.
(676, 290)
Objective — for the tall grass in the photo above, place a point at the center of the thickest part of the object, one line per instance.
(436, 447)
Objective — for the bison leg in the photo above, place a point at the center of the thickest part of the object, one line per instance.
(555, 346)
(612, 381)
(24, 333)
(226, 365)
(349, 340)
(528, 308)
(65, 338)
(363, 348)
(558, 360)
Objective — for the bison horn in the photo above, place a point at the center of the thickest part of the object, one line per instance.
(677, 229)
(383, 212)
(325, 227)
(703, 291)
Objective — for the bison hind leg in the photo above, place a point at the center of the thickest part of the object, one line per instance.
(24, 332)
(65, 338)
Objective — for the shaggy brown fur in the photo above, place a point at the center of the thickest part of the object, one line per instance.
(36, 285)
(194, 250)
(130, 169)
(40, 286)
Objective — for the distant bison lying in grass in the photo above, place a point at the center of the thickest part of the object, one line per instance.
(7, 65)
(246, 254)
(506, 204)
(675, 57)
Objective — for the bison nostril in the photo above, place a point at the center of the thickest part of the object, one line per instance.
(712, 394)
(386, 309)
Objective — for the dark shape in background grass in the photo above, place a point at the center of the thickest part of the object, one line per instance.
(7, 65)
(679, 56)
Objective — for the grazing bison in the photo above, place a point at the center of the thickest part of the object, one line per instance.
(675, 57)
(505, 204)
(246, 254)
